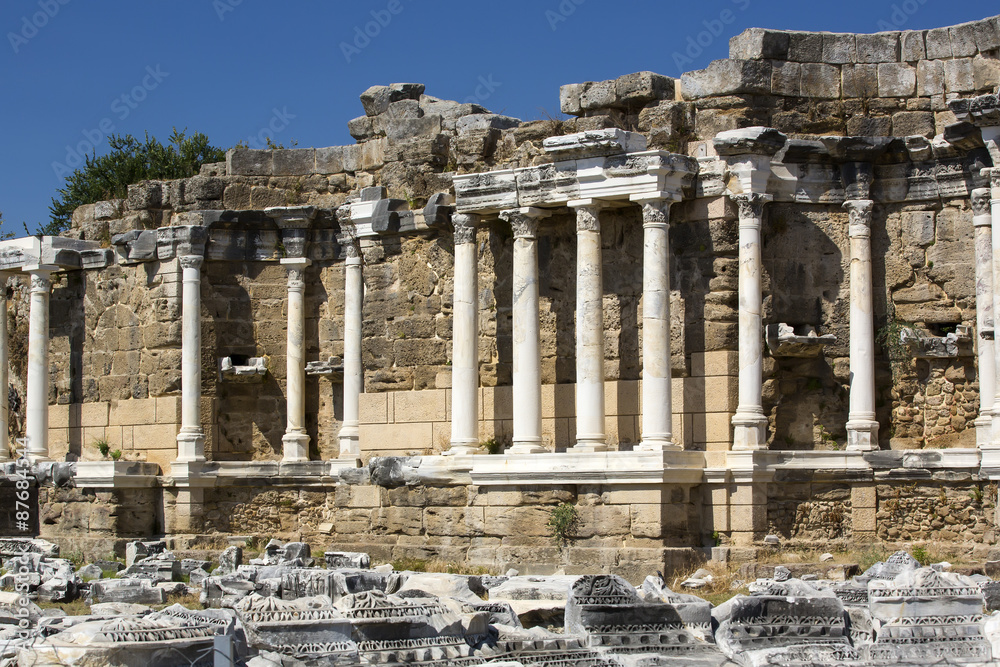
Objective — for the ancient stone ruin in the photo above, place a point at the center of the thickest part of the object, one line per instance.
(753, 302)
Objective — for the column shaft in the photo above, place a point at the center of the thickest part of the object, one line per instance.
(527, 361)
(296, 440)
(590, 410)
(37, 409)
(982, 224)
(749, 423)
(657, 404)
(191, 438)
(994, 175)
(862, 429)
(465, 339)
(350, 445)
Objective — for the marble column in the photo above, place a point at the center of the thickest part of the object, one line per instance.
(862, 428)
(590, 435)
(296, 440)
(657, 403)
(983, 225)
(191, 437)
(354, 381)
(749, 422)
(527, 361)
(994, 176)
(4, 383)
(465, 339)
(37, 392)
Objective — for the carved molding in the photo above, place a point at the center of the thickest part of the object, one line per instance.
(465, 227)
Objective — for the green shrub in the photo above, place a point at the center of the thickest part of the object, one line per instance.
(562, 520)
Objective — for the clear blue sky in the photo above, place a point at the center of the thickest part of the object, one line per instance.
(231, 68)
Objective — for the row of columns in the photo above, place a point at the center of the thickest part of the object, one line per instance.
(657, 414)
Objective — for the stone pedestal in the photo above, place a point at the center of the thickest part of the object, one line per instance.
(657, 402)
(191, 437)
(527, 380)
(465, 339)
(862, 428)
(590, 436)
(749, 422)
(350, 446)
(37, 408)
(983, 225)
(296, 441)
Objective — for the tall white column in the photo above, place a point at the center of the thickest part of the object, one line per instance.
(983, 225)
(296, 440)
(465, 339)
(590, 436)
(4, 361)
(37, 409)
(657, 403)
(354, 292)
(749, 422)
(191, 437)
(994, 176)
(527, 371)
(862, 428)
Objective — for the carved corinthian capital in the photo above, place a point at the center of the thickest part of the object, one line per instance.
(588, 219)
(465, 227)
(751, 205)
(524, 224)
(656, 213)
(41, 282)
(981, 201)
(191, 261)
(860, 217)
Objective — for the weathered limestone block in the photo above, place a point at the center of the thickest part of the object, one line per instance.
(759, 44)
(896, 80)
(727, 77)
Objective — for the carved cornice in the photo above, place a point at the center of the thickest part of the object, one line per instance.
(465, 227)
(981, 201)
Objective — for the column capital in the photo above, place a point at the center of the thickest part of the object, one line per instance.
(981, 207)
(41, 276)
(465, 227)
(751, 205)
(860, 217)
(992, 173)
(191, 261)
(587, 217)
(656, 212)
(524, 220)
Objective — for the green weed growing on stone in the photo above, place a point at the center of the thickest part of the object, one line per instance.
(115, 455)
(921, 556)
(102, 446)
(562, 520)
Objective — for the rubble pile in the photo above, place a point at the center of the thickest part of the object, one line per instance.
(286, 608)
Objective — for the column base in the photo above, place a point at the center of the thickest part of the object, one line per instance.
(296, 446)
(749, 433)
(350, 446)
(526, 447)
(587, 446)
(862, 436)
(463, 449)
(659, 446)
(190, 445)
